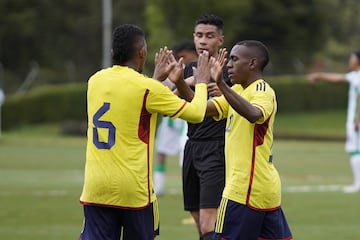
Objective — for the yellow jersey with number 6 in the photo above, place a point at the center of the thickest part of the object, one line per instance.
(122, 111)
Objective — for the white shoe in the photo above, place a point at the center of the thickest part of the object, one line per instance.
(351, 189)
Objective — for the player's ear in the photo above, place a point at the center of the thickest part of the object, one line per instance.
(253, 63)
(221, 40)
(142, 52)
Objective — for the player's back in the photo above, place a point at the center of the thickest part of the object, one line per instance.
(119, 138)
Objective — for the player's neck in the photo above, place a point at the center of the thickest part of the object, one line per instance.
(134, 65)
(251, 79)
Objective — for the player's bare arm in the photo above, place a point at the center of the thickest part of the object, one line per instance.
(238, 103)
(190, 81)
(329, 77)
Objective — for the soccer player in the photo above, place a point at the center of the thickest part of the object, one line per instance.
(250, 207)
(352, 145)
(122, 106)
(171, 134)
(204, 159)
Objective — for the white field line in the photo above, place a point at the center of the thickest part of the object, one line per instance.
(313, 188)
(37, 193)
(173, 191)
(293, 189)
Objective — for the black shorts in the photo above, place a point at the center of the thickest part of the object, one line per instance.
(203, 174)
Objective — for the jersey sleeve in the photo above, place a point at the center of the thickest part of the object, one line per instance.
(350, 77)
(264, 99)
(353, 78)
(197, 107)
(163, 101)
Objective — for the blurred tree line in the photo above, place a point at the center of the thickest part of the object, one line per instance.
(64, 38)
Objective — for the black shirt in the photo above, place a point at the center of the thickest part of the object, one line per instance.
(208, 129)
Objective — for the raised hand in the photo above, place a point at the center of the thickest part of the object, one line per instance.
(202, 71)
(177, 71)
(217, 65)
(163, 64)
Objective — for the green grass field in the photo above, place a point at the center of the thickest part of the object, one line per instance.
(41, 176)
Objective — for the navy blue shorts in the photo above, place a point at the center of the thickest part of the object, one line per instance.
(236, 221)
(105, 223)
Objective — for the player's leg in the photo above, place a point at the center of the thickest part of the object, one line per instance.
(191, 187)
(353, 147)
(159, 174)
(237, 221)
(207, 220)
(141, 224)
(355, 167)
(101, 223)
(196, 217)
(275, 226)
(211, 169)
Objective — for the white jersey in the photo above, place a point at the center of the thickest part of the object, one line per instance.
(352, 137)
(171, 136)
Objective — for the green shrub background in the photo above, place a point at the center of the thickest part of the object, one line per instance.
(51, 103)
(58, 103)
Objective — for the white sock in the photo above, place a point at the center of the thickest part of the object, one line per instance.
(355, 167)
(159, 179)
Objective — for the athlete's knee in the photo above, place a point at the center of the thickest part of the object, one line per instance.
(207, 220)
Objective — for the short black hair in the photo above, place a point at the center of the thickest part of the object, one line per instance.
(262, 51)
(186, 45)
(125, 38)
(211, 19)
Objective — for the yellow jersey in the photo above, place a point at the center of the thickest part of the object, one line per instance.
(122, 107)
(251, 178)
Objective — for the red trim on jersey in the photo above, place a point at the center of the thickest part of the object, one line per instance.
(144, 123)
(181, 108)
(144, 135)
(259, 135)
(263, 209)
(113, 206)
(148, 173)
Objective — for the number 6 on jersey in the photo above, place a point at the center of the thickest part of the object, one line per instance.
(103, 124)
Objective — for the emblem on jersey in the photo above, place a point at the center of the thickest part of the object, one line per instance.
(261, 86)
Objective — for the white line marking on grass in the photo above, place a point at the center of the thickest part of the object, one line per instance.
(37, 193)
(289, 189)
(50, 193)
(313, 188)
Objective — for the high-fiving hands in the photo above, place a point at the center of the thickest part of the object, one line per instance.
(167, 66)
(210, 67)
(217, 65)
